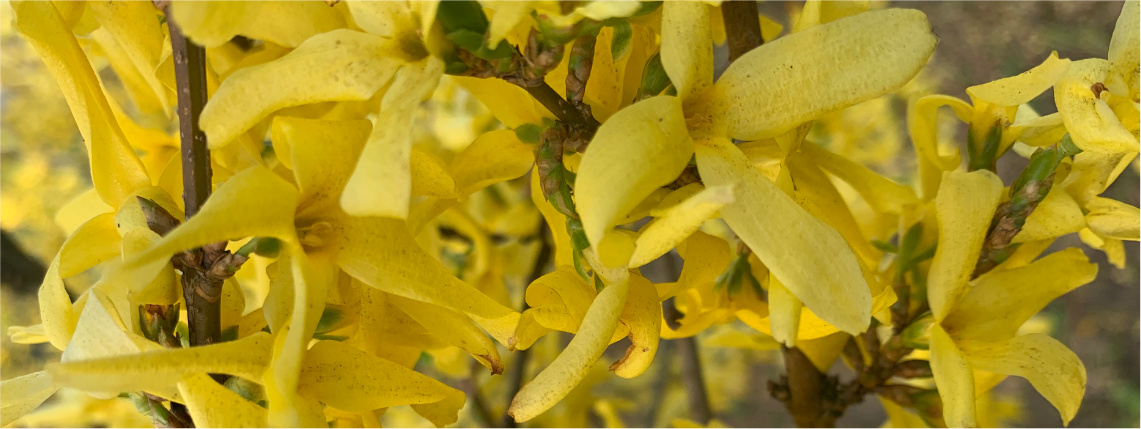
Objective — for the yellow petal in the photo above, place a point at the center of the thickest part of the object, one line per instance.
(493, 157)
(1113, 219)
(808, 256)
(1093, 172)
(162, 290)
(784, 313)
(290, 23)
(214, 23)
(677, 223)
(56, 312)
(921, 124)
(381, 183)
(820, 198)
(340, 65)
(322, 154)
(508, 14)
(349, 379)
(1020, 89)
(95, 241)
(265, 201)
(312, 278)
(285, 23)
(817, 12)
(640, 148)
(33, 334)
(1124, 53)
(81, 209)
(1057, 215)
(510, 104)
(115, 168)
(137, 29)
(1053, 370)
(954, 379)
(687, 47)
(382, 254)
(21, 395)
(884, 195)
(964, 206)
(430, 175)
(796, 78)
(643, 314)
(453, 328)
(1039, 131)
(212, 405)
(1000, 302)
(1092, 123)
(574, 363)
(246, 358)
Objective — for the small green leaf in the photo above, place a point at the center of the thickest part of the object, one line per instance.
(529, 133)
(620, 44)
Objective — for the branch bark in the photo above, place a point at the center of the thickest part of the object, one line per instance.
(201, 292)
(743, 26)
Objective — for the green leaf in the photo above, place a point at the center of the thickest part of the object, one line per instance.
(623, 34)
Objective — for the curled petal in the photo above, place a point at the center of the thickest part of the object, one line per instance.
(115, 168)
(1053, 370)
(964, 207)
(678, 223)
(453, 328)
(921, 124)
(643, 314)
(381, 183)
(1113, 219)
(640, 148)
(1091, 122)
(1020, 89)
(574, 363)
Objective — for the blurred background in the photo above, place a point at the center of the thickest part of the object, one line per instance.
(43, 166)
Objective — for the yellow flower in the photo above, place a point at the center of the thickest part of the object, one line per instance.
(976, 321)
(766, 93)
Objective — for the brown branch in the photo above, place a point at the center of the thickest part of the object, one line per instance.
(743, 27)
(693, 380)
(201, 292)
(562, 108)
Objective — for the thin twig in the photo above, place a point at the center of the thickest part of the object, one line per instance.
(202, 293)
(743, 27)
(693, 380)
(562, 108)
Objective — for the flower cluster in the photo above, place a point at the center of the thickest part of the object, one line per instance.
(391, 180)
